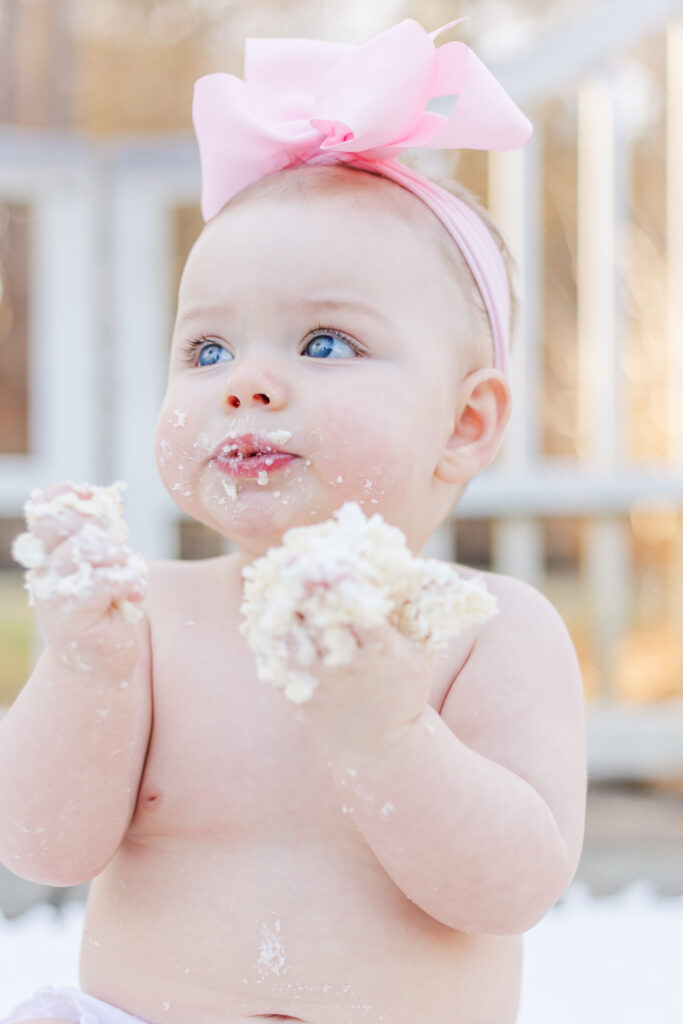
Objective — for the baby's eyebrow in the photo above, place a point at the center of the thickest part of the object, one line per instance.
(204, 310)
(334, 305)
(338, 305)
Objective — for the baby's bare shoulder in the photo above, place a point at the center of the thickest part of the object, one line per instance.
(523, 612)
(521, 686)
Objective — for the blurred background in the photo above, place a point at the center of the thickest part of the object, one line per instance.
(99, 189)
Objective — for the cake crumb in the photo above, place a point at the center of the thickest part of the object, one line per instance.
(105, 527)
(230, 489)
(306, 598)
(279, 437)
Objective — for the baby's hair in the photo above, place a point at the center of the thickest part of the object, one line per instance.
(305, 179)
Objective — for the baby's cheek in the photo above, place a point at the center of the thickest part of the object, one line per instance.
(364, 454)
(176, 454)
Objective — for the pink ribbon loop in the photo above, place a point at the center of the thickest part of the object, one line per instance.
(303, 100)
(302, 95)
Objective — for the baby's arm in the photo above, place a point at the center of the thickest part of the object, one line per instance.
(73, 744)
(477, 815)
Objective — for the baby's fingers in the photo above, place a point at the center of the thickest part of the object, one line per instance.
(79, 601)
(51, 516)
(92, 546)
(52, 529)
(89, 618)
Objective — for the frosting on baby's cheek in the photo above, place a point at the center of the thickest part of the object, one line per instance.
(177, 454)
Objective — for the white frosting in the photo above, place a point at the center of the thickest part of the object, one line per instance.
(303, 599)
(44, 582)
(230, 489)
(279, 437)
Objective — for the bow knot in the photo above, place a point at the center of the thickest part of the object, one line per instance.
(300, 97)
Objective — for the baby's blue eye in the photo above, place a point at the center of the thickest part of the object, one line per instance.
(323, 344)
(214, 353)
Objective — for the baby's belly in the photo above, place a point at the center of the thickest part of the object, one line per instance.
(225, 933)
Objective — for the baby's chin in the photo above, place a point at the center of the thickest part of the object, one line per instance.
(253, 518)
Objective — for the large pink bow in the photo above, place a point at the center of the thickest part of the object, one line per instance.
(300, 97)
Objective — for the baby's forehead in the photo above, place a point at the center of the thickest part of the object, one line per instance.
(351, 187)
(359, 206)
(309, 180)
(419, 251)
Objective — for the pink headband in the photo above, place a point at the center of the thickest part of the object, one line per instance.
(306, 101)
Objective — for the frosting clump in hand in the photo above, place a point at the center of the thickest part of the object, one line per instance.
(304, 600)
(104, 531)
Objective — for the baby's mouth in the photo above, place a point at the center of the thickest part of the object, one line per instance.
(247, 446)
(254, 465)
(250, 455)
(232, 452)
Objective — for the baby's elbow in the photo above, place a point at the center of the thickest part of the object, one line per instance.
(522, 919)
(533, 901)
(45, 867)
(505, 920)
(43, 874)
(517, 908)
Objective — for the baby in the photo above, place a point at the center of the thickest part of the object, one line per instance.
(373, 853)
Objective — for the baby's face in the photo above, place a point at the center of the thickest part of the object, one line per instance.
(336, 321)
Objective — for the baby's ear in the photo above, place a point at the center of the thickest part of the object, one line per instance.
(481, 416)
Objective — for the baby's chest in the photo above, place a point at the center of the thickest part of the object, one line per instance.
(227, 752)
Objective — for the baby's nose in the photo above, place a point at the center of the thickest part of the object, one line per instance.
(235, 401)
(257, 388)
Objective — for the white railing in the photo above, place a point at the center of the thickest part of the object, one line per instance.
(101, 281)
(58, 182)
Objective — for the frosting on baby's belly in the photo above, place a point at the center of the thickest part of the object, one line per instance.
(179, 929)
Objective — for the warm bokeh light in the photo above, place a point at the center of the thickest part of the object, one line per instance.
(655, 522)
(105, 69)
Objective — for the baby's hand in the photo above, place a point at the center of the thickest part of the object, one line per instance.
(368, 704)
(82, 577)
(341, 615)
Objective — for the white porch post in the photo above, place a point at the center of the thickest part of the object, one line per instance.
(515, 201)
(674, 297)
(147, 188)
(606, 554)
(58, 184)
(64, 348)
